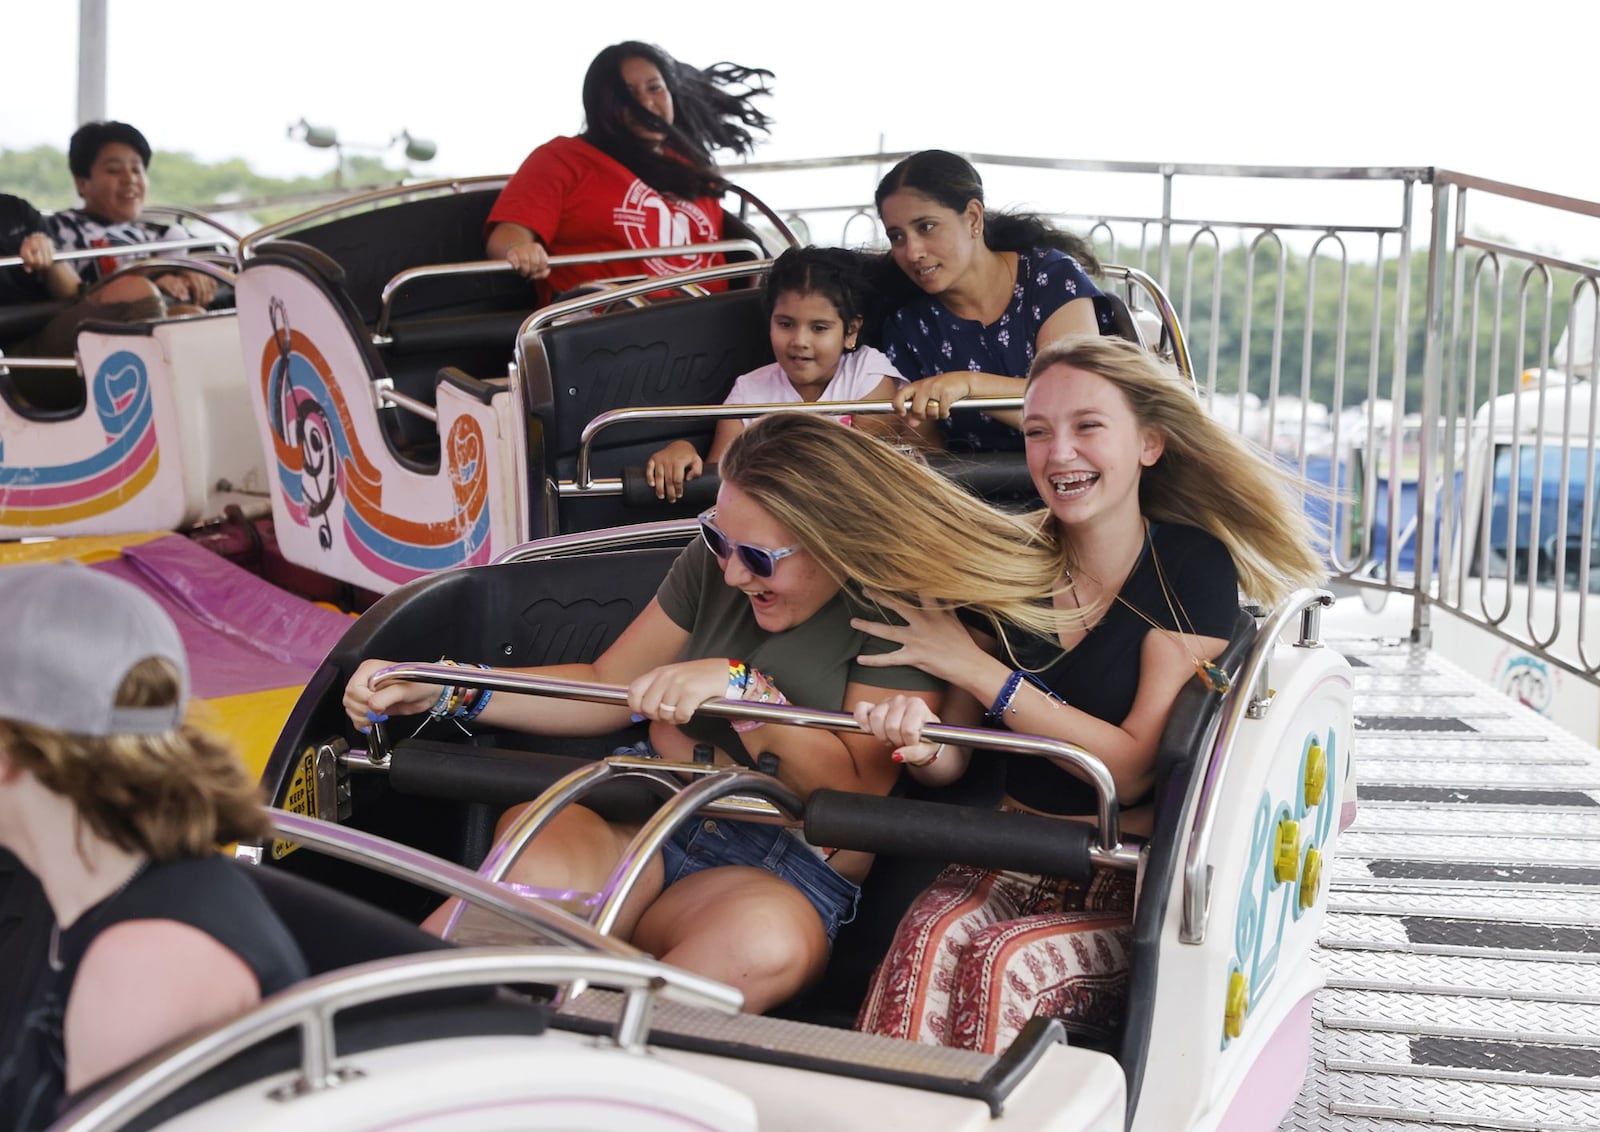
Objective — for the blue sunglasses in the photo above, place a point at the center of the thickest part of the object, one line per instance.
(759, 560)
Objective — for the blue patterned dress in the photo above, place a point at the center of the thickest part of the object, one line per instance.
(923, 339)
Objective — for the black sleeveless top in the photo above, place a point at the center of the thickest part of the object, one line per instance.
(210, 893)
(1195, 589)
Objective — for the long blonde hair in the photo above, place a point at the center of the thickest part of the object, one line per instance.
(1207, 476)
(873, 517)
(174, 794)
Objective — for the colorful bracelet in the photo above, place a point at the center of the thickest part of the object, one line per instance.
(477, 699)
(1008, 691)
(754, 686)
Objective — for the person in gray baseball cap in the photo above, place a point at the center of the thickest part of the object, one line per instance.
(117, 804)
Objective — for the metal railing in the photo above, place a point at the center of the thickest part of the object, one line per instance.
(1353, 323)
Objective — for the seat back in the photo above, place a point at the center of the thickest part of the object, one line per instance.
(374, 246)
(556, 611)
(676, 352)
(364, 492)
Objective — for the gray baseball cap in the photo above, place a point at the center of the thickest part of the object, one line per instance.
(68, 637)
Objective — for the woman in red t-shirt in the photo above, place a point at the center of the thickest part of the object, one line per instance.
(639, 176)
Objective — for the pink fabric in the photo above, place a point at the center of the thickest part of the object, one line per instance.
(242, 633)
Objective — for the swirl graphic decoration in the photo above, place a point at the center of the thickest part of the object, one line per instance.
(90, 485)
(321, 460)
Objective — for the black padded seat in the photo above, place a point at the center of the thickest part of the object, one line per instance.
(675, 352)
(559, 611)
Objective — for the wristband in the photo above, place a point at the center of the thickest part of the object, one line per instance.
(1008, 691)
(756, 687)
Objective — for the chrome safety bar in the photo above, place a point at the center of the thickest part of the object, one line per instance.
(284, 228)
(639, 288)
(410, 275)
(1069, 756)
(310, 1008)
(1248, 699)
(584, 480)
(608, 538)
(122, 251)
(444, 877)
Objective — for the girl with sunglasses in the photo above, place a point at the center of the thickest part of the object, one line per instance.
(760, 608)
(1156, 517)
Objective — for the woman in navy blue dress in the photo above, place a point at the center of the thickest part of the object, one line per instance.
(990, 290)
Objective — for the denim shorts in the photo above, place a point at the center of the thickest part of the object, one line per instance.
(705, 843)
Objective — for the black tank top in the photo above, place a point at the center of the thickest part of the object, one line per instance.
(210, 893)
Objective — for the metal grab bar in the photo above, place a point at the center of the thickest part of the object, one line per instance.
(607, 538)
(452, 186)
(310, 1008)
(444, 877)
(585, 479)
(1242, 703)
(123, 251)
(1069, 756)
(654, 833)
(410, 275)
(161, 263)
(766, 210)
(544, 316)
(388, 397)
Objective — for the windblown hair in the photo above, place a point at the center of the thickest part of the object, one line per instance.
(834, 273)
(171, 795)
(92, 137)
(890, 524)
(712, 110)
(1207, 476)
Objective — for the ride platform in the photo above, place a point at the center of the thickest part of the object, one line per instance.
(1462, 945)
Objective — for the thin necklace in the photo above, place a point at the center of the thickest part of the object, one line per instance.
(1209, 672)
(54, 956)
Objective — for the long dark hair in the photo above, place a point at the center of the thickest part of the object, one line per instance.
(712, 110)
(951, 180)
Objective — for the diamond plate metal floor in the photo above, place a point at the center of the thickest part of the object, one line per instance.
(1463, 939)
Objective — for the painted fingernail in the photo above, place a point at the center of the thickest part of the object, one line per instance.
(376, 716)
(636, 718)
(897, 757)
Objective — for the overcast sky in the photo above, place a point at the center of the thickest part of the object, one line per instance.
(1358, 83)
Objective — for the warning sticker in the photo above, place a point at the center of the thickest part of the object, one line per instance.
(301, 797)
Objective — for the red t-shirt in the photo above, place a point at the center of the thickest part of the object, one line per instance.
(579, 200)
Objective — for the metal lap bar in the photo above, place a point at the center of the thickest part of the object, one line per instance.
(1069, 756)
(586, 482)
(1247, 699)
(610, 538)
(310, 1008)
(123, 251)
(444, 877)
(285, 228)
(640, 288)
(200, 266)
(679, 809)
(405, 278)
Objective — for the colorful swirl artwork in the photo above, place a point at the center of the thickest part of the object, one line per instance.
(320, 460)
(46, 495)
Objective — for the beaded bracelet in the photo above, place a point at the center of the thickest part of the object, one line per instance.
(1008, 691)
(458, 702)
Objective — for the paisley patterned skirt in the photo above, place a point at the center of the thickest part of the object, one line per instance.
(982, 952)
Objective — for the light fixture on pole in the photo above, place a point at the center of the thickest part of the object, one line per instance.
(326, 137)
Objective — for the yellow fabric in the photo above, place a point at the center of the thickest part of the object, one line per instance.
(252, 720)
(86, 549)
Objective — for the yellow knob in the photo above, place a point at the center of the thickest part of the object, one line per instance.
(1238, 1004)
(1286, 858)
(1316, 774)
(1310, 878)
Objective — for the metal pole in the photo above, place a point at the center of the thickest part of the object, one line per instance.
(91, 61)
